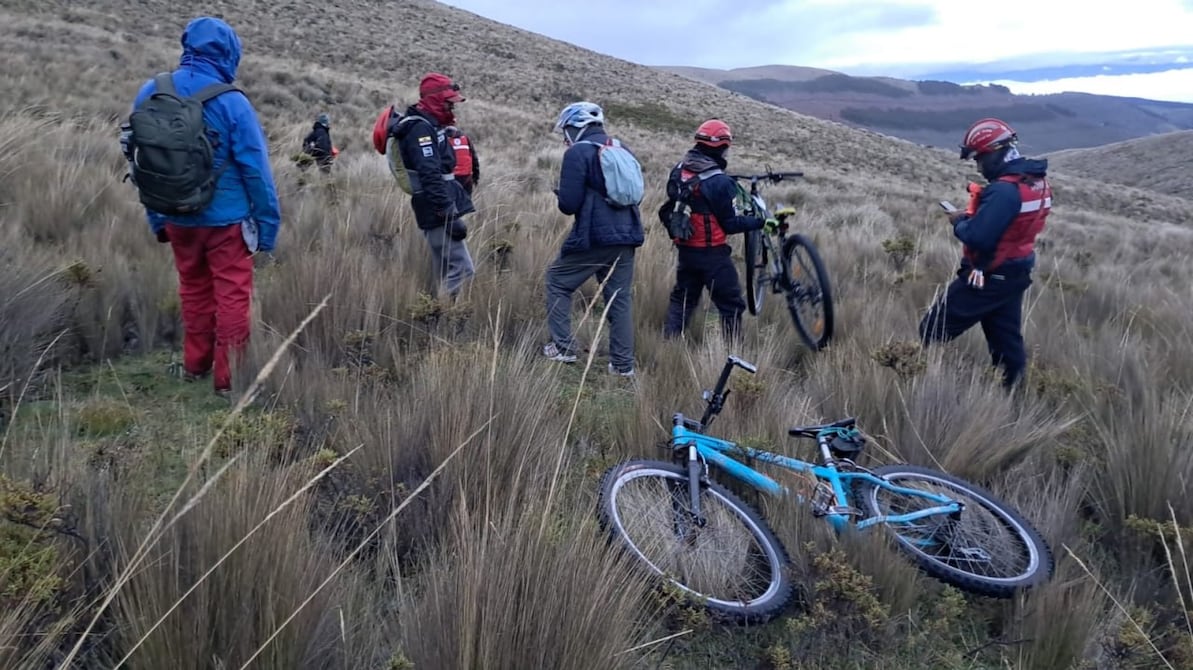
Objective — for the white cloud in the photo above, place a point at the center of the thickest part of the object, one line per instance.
(1174, 85)
(842, 33)
(967, 32)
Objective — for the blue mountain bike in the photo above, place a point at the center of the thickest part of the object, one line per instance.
(694, 533)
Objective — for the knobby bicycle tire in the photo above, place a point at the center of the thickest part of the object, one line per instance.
(757, 283)
(1040, 562)
(779, 587)
(798, 292)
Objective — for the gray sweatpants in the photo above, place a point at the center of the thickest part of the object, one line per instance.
(568, 273)
(450, 261)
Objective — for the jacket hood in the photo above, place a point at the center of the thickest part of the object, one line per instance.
(211, 44)
(1037, 167)
(697, 161)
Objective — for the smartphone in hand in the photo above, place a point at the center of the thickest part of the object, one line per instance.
(947, 206)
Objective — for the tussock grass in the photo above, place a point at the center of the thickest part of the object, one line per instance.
(391, 383)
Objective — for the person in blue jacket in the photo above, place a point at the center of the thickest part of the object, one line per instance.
(214, 248)
(601, 244)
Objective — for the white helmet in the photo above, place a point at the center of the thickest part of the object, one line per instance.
(579, 115)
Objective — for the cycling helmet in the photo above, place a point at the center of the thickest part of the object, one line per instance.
(987, 135)
(579, 115)
(714, 133)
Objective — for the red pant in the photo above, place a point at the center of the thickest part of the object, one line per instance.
(215, 286)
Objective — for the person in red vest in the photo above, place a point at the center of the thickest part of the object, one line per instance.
(699, 182)
(468, 167)
(998, 233)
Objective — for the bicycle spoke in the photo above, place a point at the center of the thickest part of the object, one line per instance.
(979, 543)
(720, 559)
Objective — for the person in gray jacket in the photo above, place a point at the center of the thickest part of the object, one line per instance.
(602, 243)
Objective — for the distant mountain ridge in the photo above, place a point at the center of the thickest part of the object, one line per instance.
(1158, 163)
(935, 112)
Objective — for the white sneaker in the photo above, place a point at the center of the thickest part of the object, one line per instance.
(552, 352)
(620, 373)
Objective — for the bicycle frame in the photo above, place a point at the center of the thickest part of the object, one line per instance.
(688, 434)
(701, 447)
(780, 272)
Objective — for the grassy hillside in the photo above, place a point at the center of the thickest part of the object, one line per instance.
(930, 112)
(298, 533)
(1156, 163)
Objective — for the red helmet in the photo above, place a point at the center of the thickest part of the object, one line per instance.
(987, 135)
(714, 133)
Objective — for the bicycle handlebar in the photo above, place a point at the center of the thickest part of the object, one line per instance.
(716, 397)
(774, 177)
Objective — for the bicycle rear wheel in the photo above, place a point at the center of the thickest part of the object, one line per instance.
(809, 295)
(989, 550)
(733, 562)
(758, 277)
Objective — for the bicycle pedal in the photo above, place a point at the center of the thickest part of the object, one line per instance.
(845, 510)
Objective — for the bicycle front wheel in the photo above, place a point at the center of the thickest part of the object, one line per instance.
(729, 558)
(758, 277)
(989, 549)
(809, 295)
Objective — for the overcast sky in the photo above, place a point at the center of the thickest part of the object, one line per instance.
(862, 36)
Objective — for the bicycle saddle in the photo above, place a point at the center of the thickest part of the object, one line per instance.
(784, 212)
(810, 431)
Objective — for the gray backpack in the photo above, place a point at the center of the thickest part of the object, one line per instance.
(171, 158)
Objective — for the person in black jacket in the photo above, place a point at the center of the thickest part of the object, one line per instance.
(317, 143)
(704, 252)
(438, 200)
(601, 244)
(998, 235)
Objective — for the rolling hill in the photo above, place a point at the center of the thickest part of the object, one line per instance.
(1159, 163)
(414, 486)
(935, 113)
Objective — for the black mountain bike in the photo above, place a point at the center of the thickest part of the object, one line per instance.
(788, 264)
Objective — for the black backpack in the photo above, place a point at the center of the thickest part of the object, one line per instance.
(171, 158)
(676, 213)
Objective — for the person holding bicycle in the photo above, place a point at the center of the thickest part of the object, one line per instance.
(699, 216)
(998, 233)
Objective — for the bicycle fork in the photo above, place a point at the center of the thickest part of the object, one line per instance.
(694, 475)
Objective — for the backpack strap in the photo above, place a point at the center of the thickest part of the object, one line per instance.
(208, 92)
(396, 125)
(695, 179)
(165, 84)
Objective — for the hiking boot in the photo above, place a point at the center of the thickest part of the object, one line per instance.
(224, 394)
(192, 377)
(553, 353)
(621, 373)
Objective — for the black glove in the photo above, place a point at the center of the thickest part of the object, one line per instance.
(665, 212)
(162, 236)
(457, 230)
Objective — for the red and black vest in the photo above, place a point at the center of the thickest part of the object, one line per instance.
(706, 230)
(461, 145)
(1019, 239)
